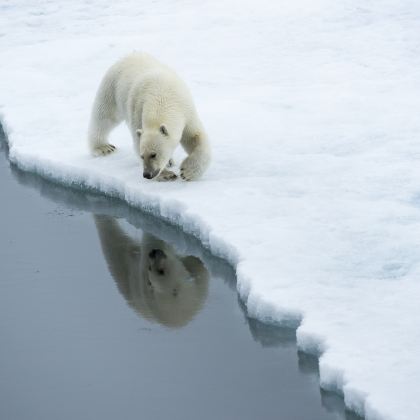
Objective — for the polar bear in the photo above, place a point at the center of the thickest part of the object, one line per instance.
(157, 283)
(160, 113)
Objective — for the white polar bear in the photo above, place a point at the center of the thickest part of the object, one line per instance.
(157, 283)
(159, 111)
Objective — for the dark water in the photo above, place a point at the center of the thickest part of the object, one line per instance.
(106, 313)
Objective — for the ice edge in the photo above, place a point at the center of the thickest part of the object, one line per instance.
(331, 378)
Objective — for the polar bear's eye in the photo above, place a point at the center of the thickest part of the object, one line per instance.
(142, 157)
(153, 155)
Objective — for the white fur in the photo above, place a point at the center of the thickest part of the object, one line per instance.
(166, 288)
(159, 111)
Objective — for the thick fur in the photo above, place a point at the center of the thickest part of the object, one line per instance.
(157, 283)
(159, 111)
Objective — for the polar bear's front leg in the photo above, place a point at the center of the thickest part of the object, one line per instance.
(103, 119)
(198, 159)
(102, 122)
(98, 136)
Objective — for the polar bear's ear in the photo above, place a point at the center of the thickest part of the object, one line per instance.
(139, 132)
(163, 130)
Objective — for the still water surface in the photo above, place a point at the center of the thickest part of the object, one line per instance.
(107, 313)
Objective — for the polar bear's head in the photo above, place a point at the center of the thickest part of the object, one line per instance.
(156, 149)
(157, 282)
(176, 287)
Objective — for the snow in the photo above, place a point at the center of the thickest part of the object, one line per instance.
(313, 110)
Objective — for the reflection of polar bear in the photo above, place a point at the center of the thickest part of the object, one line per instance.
(159, 111)
(156, 282)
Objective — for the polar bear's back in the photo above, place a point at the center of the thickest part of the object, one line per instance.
(137, 65)
(141, 76)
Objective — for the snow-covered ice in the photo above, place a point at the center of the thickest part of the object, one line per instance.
(313, 110)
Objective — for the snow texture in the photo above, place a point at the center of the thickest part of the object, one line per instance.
(313, 111)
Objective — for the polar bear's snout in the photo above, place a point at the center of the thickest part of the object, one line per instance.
(150, 175)
(151, 168)
(155, 154)
(157, 263)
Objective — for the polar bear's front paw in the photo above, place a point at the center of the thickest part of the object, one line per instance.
(104, 149)
(190, 169)
(166, 175)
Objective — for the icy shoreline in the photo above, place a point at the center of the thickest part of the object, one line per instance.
(313, 114)
(331, 377)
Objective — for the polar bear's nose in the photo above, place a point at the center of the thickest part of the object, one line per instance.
(147, 175)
